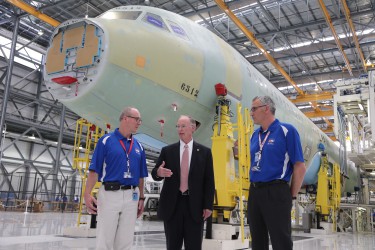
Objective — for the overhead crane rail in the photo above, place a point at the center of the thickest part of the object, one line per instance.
(252, 38)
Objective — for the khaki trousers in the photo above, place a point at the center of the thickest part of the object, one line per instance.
(117, 213)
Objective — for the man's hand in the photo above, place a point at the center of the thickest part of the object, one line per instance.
(164, 172)
(206, 213)
(141, 207)
(90, 202)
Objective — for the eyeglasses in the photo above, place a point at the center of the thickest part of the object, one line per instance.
(137, 119)
(181, 126)
(253, 109)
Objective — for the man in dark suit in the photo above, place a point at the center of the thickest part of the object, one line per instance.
(186, 199)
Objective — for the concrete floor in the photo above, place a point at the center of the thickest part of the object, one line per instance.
(45, 231)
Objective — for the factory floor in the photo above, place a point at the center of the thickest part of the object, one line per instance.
(28, 231)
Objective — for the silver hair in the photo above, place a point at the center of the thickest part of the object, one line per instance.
(266, 100)
(126, 112)
(192, 121)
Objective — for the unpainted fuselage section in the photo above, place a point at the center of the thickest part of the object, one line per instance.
(165, 65)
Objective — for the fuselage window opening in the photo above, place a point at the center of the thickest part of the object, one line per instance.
(155, 20)
(176, 29)
(129, 15)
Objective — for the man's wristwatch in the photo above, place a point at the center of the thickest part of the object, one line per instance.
(294, 198)
(142, 198)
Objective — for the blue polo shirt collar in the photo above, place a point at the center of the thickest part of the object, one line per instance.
(120, 136)
(272, 127)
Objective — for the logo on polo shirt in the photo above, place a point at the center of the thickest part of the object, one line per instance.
(271, 141)
(137, 151)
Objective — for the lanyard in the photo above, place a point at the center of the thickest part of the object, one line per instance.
(128, 152)
(261, 144)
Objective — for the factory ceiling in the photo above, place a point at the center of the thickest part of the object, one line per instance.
(315, 42)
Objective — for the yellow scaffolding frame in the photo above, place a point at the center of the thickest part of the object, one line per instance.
(88, 134)
(231, 187)
(245, 128)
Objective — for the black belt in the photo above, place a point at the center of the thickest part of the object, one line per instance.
(114, 186)
(127, 187)
(266, 184)
(184, 193)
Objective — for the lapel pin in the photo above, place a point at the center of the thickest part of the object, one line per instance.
(197, 149)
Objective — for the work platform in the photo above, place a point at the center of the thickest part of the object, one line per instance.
(44, 231)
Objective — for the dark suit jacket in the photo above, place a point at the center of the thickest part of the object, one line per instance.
(201, 181)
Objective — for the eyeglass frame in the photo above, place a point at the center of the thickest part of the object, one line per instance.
(137, 119)
(253, 109)
(182, 126)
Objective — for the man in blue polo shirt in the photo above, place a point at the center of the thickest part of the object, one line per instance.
(119, 162)
(276, 160)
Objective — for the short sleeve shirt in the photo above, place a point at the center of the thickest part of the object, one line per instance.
(109, 160)
(281, 150)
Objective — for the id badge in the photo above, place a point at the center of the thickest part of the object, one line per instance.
(135, 196)
(257, 157)
(256, 161)
(255, 168)
(127, 175)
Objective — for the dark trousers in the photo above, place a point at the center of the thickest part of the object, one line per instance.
(269, 212)
(182, 228)
(62, 206)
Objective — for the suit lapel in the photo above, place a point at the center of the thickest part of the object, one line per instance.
(176, 153)
(194, 156)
